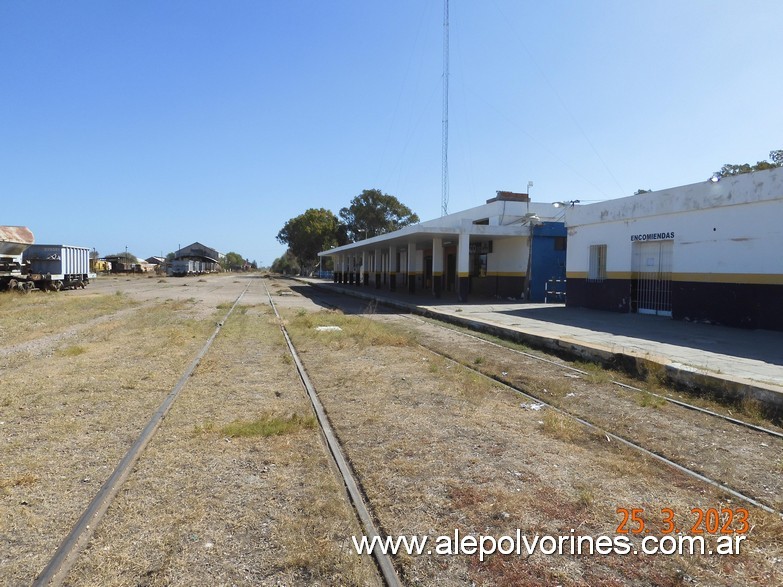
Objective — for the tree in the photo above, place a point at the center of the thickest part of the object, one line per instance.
(641, 191)
(126, 257)
(287, 264)
(233, 262)
(310, 233)
(776, 160)
(372, 213)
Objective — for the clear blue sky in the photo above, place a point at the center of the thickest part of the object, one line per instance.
(153, 124)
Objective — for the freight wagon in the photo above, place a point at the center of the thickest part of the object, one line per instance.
(13, 241)
(183, 267)
(55, 267)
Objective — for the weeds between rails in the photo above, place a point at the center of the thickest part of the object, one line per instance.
(413, 422)
(58, 566)
(595, 373)
(355, 492)
(555, 390)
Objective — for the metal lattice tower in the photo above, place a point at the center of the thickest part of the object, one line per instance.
(444, 201)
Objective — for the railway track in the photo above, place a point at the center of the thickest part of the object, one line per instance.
(56, 570)
(571, 369)
(331, 300)
(654, 453)
(355, 493)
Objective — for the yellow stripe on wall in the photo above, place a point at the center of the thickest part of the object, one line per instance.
(609, 275)
(505, 273)
(739, 278)
(752, 278)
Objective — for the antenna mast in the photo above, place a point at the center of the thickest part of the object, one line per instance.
(444, 202)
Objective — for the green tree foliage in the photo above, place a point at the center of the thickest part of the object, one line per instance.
(125, 257)
(308, 234)
(287, 264)
(641, 191)
(372, 213)
(233, 262)
(776, 160)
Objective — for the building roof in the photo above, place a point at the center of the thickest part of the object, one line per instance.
(500, 217)
(198, 250)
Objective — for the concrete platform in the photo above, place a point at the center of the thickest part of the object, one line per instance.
(730, 363)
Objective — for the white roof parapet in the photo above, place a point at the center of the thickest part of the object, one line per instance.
(746, 188)
(503, 219)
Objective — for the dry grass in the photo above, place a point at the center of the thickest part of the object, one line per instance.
(563, 427)
(432, 460)
(238, 479)
(21, 480)
(72, 411)
(354, 330)
(435, 448)
(596, 373)
(26, 317)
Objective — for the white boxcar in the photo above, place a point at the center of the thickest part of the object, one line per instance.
(56, 267)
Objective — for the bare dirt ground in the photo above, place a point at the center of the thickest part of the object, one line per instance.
(216, 501)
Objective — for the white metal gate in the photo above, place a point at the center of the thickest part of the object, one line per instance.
(652, 277)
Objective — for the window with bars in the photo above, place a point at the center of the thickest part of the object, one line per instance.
(596, 270)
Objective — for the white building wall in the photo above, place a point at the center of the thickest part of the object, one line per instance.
(720, 231)
(723, 262)
(508, 257)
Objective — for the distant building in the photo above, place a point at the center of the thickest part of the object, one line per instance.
(709, 251)
(195, 259)
(122, 264)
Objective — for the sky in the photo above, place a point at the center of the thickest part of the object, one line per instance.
(149, 125)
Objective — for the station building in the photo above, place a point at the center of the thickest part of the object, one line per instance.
(483, 251)
(202, 257)
(708, 252)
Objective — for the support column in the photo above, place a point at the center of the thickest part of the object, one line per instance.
(365, 268)
(402, 273)
(463, 267)
(378, 268)
(392, 268)
(411, 267)
(437, 266)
